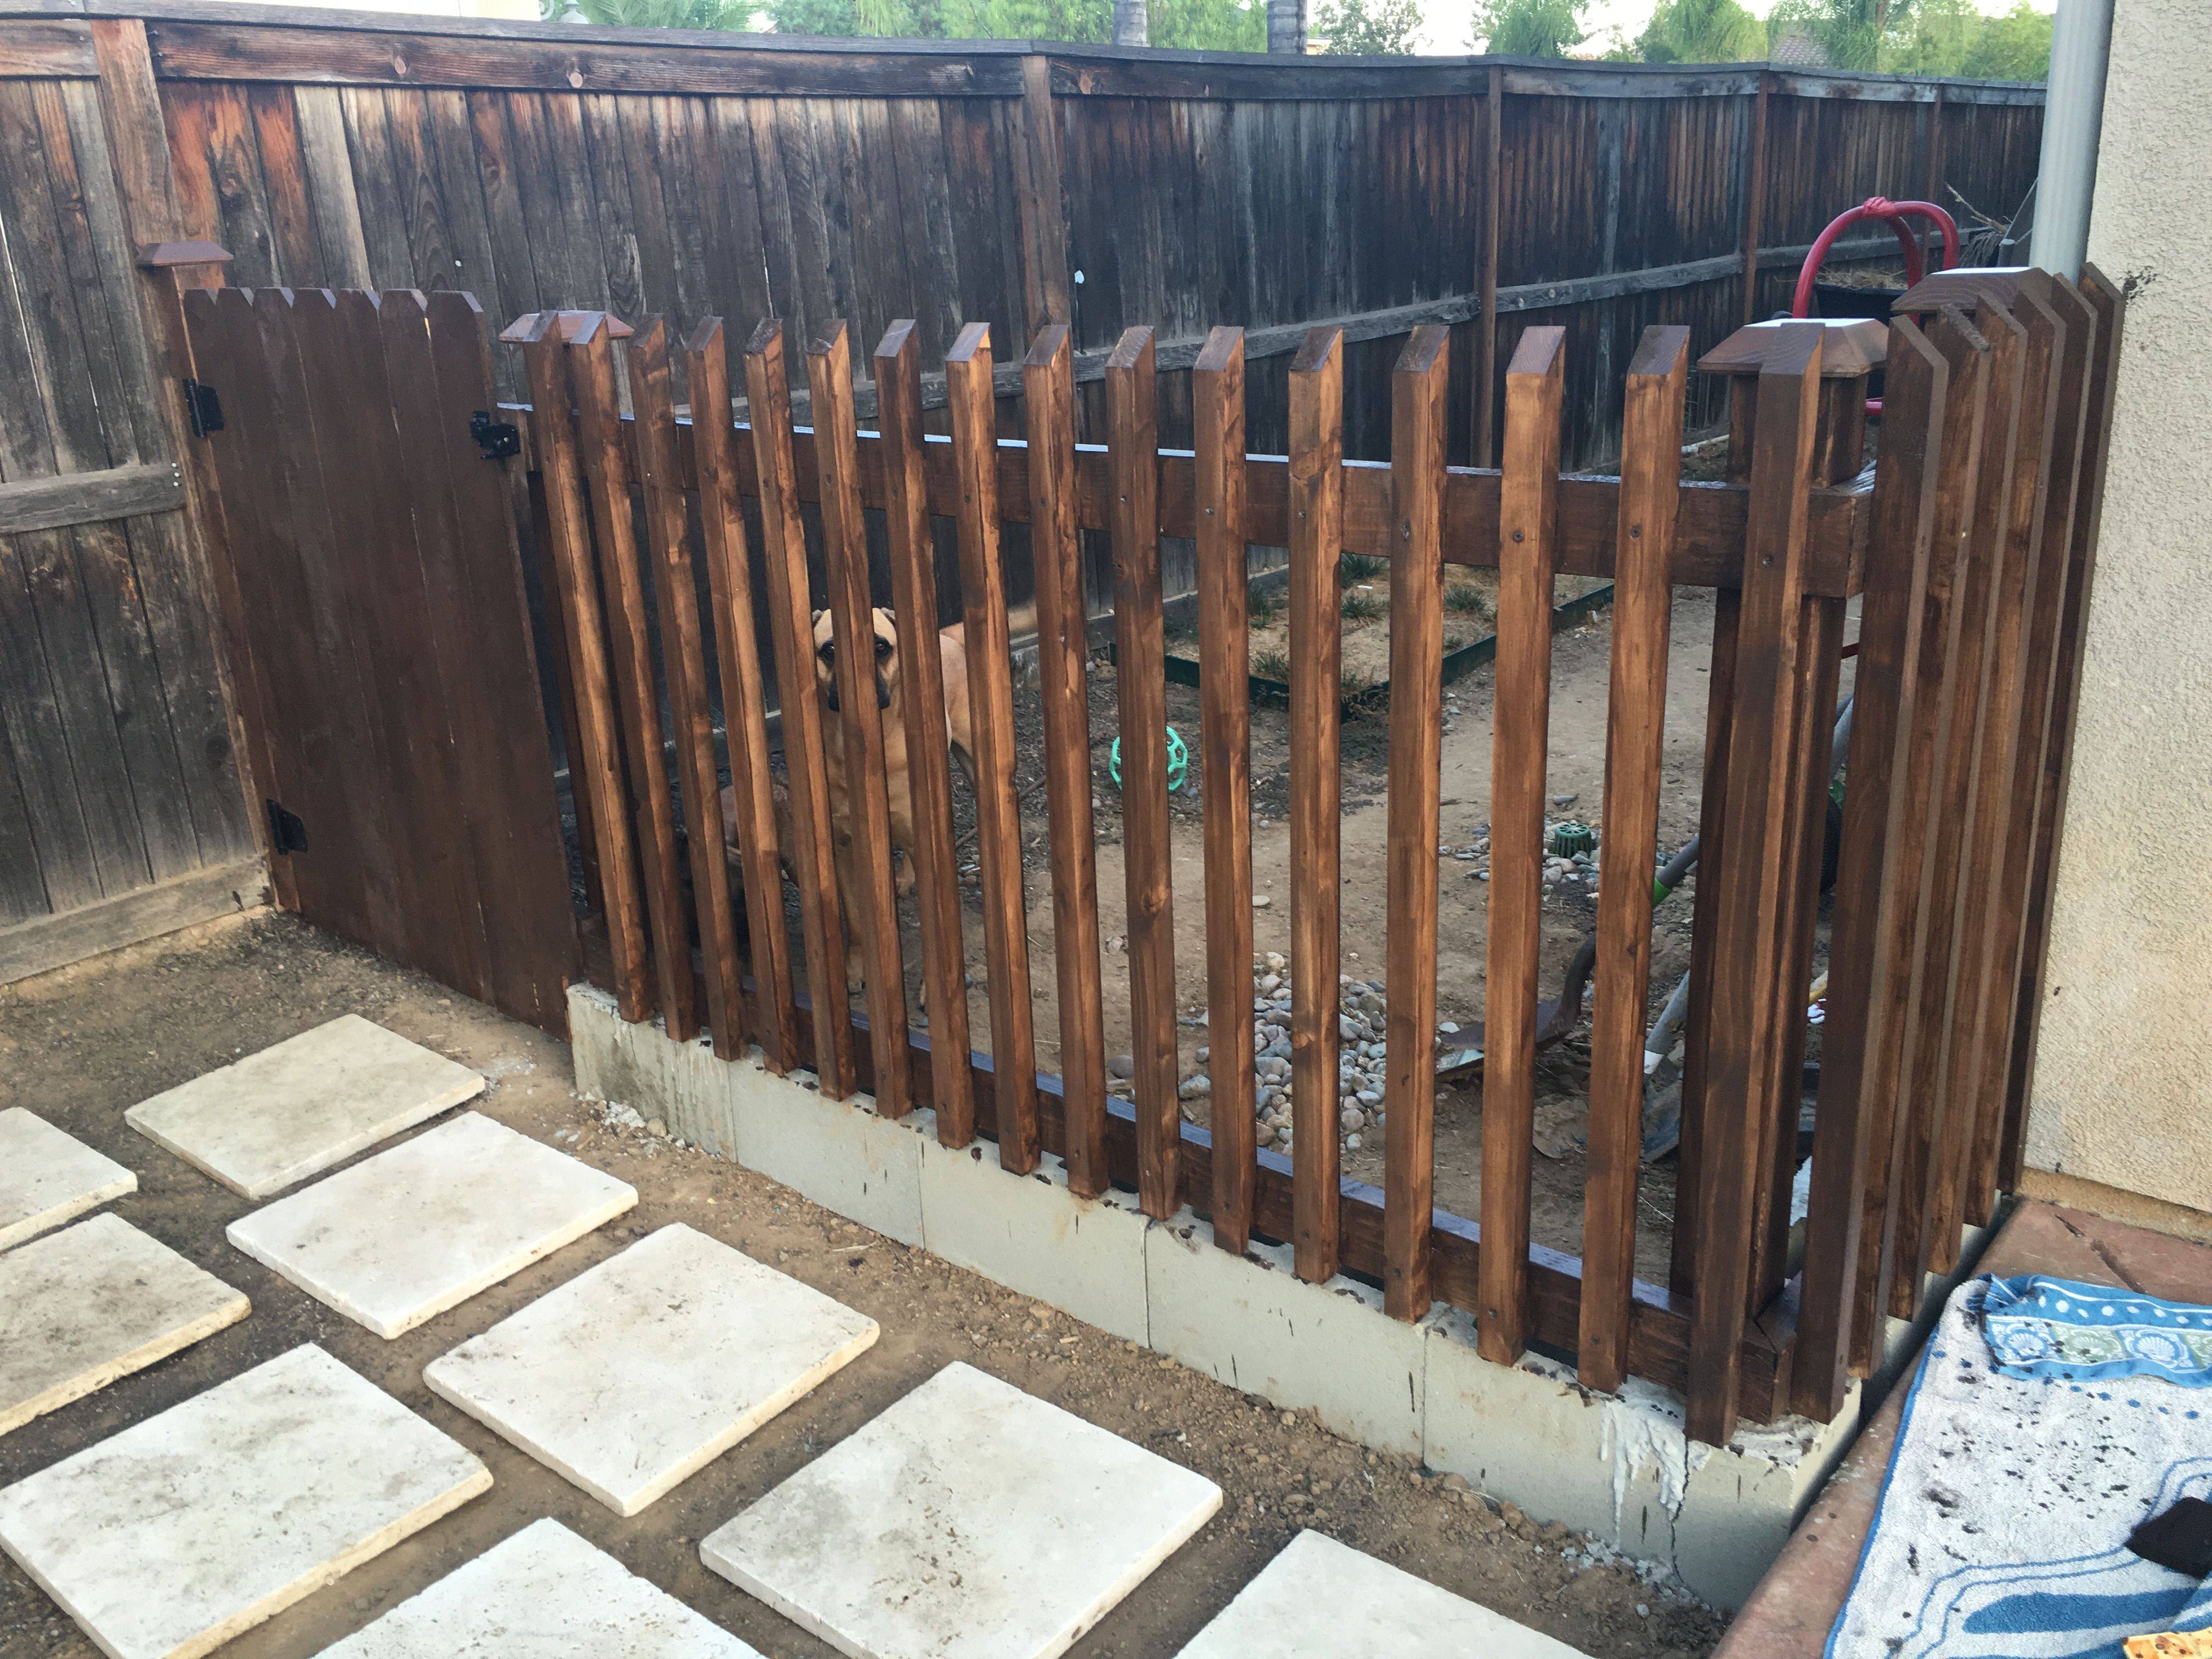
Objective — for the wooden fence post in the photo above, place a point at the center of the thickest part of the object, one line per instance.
(1754, 196)
(1045, 284)
(1753, 871)
(1417, 629)
(1484, 450)
(1528, 514)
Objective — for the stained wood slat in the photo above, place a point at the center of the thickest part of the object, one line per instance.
(1922, 1153)
(1140, 677)
(1996, 755)
(745, 720)
(1997, 1022)
(1417, 390)
(1874, 895)
(606, 462)
(991, 690)
(1063, 655)
(1536, 383)
(1316, 526)
(683, 662)
(2108, 306)
(783, 539)
(1753, 871)
(1225, 776)
(922, 677)
(857, 747)
(1636, 709)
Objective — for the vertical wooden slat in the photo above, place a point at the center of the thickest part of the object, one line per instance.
(1417, 645)
(2107, 304)
(1528, 513)
(1063, 653)
(1317, 524)
(1484, 450)
(1043, 219)
(683, 662)
(929, 778)
(1996, 1021)
(1924, 761)
(822, 924)
(596, 769)
(1872, 892)
(1753, 869)
(1936, 979)
(1754, 196)
(1636, 712)
(861, 694)
(991, 689)
(744, 707)
(1997, 755)
(1140, 654)
(1226, 774)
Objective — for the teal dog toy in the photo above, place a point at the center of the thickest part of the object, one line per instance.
(1178, 761)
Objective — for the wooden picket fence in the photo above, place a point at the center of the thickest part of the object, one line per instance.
(1970, 544)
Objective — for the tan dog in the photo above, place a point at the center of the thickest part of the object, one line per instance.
(887, 673)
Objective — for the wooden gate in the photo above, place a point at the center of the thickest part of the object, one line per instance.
(368, 570)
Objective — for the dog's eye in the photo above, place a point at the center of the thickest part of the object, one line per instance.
(883, 649)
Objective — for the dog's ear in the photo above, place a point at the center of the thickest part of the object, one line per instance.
(817, 617)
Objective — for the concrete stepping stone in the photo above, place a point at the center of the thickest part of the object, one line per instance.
(94, 1301)
(636, 1374)
(402, 1237)
(269, 1120)
(167, 1540)
(48, 1176)
(970, 1521)
(1319, 1599)
(543, 1593)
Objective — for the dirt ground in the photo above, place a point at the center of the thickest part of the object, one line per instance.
(80, 1045)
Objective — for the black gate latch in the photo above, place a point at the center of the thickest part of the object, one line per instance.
(288, 830)
(498, 439)
(203, 407)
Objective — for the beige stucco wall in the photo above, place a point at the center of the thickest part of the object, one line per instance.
(2122, 1086)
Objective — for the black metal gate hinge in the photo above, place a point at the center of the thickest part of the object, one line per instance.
(498, 439)
(288, 830)
(203, 406)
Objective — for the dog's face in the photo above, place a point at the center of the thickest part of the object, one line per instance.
(886, 665)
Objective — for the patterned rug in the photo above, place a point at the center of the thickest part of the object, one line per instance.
(2047, 1420)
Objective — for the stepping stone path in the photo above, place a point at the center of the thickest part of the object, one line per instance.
(970, 1521)
(634, 1375)
(167, 1540)
(1322, 1599)
(543, 1593)
(269, 1120)
(94, 1301)
(404, 1236)
(47, 1177)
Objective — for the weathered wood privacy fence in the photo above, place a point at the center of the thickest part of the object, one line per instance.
(1969, 546)
(543, 167)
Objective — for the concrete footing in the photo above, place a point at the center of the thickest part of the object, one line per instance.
(1616, 1468)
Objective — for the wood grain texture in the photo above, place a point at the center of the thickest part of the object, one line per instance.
(1417, 628)
(1063, 659)
(990, 688)
(867, 831)
(683, 662)
(1635, 708)
(1752, 874)
(922, 675)
(1316, 526)
(1140, 675)
(606, 463)
(1535, 385)
(1226, 776)
(744, 720)
(783, 548)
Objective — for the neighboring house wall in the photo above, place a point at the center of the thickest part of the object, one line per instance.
(2122, 1085)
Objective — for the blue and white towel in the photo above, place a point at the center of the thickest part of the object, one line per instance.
(2047, 1420)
